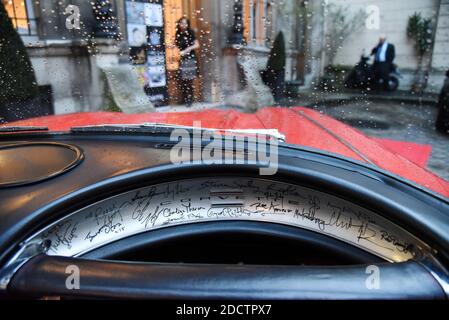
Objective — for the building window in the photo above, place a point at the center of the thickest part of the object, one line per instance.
(173, 11)
(268, 21)
(22, 16)
(258, 19)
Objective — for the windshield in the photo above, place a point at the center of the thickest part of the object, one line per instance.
(366, 80)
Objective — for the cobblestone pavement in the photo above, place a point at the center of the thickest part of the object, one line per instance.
(413, 122)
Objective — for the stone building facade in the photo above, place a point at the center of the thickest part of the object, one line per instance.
(231, 32)
(393, 18)
(70, 59)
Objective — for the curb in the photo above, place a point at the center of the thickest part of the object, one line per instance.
(322, 97)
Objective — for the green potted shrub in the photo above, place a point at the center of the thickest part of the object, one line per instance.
(274, 75)
(420, 30)
(18, 86)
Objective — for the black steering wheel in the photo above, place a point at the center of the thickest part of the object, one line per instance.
(299, 262)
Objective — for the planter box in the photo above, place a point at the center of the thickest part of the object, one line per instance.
(334, 78)
(292, 88)
(442, 123)
(42, 105)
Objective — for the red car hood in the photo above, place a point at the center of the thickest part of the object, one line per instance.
(301, 126)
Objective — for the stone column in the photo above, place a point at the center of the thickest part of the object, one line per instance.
(439, 63)
(440, 53)
(314, 42)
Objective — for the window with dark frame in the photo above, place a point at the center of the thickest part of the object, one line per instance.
(258, 20)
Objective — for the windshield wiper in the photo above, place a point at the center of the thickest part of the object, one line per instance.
(22, 129)
(167, 129)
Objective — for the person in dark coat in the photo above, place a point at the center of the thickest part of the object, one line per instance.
(187, 43)
(442, 123)
(384, 54)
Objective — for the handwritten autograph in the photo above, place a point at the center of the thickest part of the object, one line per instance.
(185, 201)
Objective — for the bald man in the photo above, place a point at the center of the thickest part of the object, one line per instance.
(384, 54)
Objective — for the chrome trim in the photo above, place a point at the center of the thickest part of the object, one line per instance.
(27, 251)
(164, 127)
(22, 129)
(339, 138)
(438, 272)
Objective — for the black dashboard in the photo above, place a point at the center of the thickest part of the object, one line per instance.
(117, 197)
